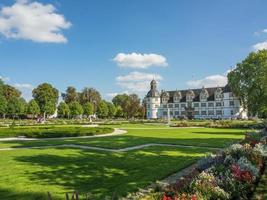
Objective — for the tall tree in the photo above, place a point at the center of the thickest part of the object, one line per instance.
(90, 95)
(119, 99)
(63, 110)
(46, 96)
(33, 108)
(102, 109)
(111, 109)
(88, 109)
(3, 105)
(10, 92)
(70, 95)
(16, 107)
(75, 109)
(248, 82)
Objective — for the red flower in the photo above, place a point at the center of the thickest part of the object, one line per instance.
(194, 197)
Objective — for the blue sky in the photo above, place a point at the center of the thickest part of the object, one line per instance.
(118, 46)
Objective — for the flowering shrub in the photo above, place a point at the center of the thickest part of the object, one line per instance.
(230, 174)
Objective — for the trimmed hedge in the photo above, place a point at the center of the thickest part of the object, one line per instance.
(53, 131)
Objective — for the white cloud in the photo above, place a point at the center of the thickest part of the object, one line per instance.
(112, 94)
(141, 61)
(265, 30)
(26, 90)
(137, 81)
(4, 78)
(209, 81)
(260, 46)
(33, 21)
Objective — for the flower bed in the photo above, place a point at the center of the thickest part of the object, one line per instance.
(230, 174)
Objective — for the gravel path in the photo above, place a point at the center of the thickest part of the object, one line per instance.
(114, 133)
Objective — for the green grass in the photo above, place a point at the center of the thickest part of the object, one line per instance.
(29, 174)
(52, 131)
(207, 137)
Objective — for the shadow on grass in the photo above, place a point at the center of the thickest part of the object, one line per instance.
(102, 174)
(124, 141)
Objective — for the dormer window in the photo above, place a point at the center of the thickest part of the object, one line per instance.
(218, 94)
(190, 95)
(177, 96)
(204, 94)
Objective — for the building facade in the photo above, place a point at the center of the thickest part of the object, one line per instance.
(204, 103)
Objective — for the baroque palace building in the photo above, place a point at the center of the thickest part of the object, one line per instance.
(204, 103)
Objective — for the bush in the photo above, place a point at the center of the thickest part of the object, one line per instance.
(53, 131)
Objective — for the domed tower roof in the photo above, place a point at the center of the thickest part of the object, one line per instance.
(153, 92)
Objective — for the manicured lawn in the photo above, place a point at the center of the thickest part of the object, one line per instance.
(52, 131)
(29, 174)
(210, 137)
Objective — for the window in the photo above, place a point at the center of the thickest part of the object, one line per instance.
(196, 112)
(203, 104)
(156, 106)
(148, 105)
(183, 113)
(171, 113)
(218, 112)
(176, 105)
(232, 112)
(231, 103)
(148, 99)
(211, 104)
(170, 106)
(211, 112)
(176, 112)
(182, 105)
(203, 112)
(147, 113)
(165, 113)
(165, 106)
(218, 104)
(196, 104)
(230, 94)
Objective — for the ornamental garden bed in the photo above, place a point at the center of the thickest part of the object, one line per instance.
(230, 174)
(53, 131)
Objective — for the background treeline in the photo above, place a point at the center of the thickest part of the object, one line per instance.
(74, 105)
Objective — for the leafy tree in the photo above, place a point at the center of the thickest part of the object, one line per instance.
(111, 109)
(90, 95)
(33, 108)
(248, 82)
(119, 99)
(3, 105)
(102, 109)
(63, 109)
(46, 96)
(75, 109)
(70, 95)
(88, 109)
(10, 92)
(16, 107)
(130, 104)
(119, 112)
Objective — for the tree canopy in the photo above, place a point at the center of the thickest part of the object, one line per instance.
(248, 81)
(33, 108)
(63, 110)
(70, 95)
(75, 109)
(46, 96)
